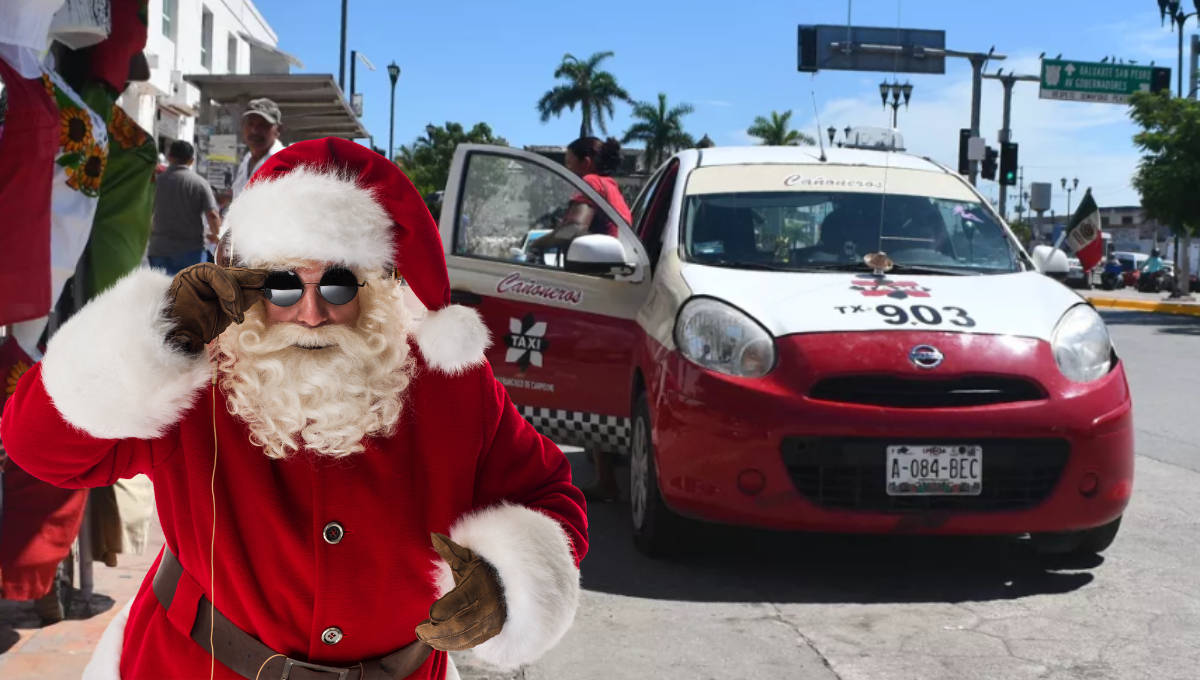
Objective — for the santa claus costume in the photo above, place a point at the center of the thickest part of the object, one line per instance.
(300, 471)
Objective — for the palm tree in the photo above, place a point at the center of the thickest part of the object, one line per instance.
(593, 90)
(660, 129)
(774, 131)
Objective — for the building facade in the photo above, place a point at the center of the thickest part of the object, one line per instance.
(195, 37)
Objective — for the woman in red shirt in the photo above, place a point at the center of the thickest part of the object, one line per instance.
(594, 161)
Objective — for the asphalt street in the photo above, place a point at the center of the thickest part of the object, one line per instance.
(758, 605)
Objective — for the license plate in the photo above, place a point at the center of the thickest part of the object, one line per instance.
(934, 470)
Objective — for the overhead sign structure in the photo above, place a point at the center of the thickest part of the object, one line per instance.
(1088, 81)
(862, 48)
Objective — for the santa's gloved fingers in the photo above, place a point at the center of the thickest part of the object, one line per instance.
(456, 556)
(461, 635)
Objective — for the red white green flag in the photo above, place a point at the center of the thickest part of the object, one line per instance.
(1083, 233)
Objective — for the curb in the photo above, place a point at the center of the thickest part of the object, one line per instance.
(1177, 308)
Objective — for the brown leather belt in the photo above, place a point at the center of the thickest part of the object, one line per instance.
(253, 660)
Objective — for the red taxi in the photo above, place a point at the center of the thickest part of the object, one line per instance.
(847, 341)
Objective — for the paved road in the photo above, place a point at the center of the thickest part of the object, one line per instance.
(804, 608)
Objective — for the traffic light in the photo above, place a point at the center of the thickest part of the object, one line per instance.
(964, 142)
(989, 164)
(1008, 164)
(1160, 79)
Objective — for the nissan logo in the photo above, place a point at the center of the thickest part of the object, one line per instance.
(926, 356)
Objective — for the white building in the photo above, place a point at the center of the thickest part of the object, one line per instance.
(214, 37)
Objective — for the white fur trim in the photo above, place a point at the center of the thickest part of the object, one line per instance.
(452, 339)
(109, 370)
(533, 557)
(451, 669)
(310, 214)
(106, 659)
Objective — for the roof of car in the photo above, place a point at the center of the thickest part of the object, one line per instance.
(810, 155)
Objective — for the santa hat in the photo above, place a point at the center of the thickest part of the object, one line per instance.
(331, 200)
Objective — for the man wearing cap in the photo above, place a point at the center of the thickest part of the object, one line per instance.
(344, 493)
(261, 123)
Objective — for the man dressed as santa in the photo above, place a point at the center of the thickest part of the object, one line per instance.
(345, 494)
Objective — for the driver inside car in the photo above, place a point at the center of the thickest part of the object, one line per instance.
(852, 229)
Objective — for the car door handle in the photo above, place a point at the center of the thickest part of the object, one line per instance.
(464, 297)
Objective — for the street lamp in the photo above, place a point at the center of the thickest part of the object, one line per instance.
(394, 74)
(832, 133)
(1072, 187)
(897, 90)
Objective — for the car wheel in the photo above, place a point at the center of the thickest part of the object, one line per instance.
(657, 531)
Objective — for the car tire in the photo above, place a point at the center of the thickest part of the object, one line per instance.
(657, 531)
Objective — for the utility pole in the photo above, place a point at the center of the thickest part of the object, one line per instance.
(342, 53)
(1008, 81)
(1021, 202)
(977, 64)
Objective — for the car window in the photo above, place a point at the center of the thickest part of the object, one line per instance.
(801, 230)
(507, 203)
(643, 201)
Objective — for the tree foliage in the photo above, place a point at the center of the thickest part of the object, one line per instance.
(585, 85)
(427, 160)
(1169, 171)
(660, 129)
(776, 131)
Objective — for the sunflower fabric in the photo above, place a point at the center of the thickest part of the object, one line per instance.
(78, 171)
(121, 229)
(28, 148)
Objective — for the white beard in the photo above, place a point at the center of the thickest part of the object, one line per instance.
(322, 389)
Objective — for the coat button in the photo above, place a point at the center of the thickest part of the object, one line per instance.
(333, 533)
(332, 635)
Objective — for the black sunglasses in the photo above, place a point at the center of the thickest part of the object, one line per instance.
(337, 287)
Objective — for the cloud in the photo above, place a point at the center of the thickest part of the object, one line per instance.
(1057, 139)
(717, 103)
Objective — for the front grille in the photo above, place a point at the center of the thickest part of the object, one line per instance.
(849, 474)
(897, 392)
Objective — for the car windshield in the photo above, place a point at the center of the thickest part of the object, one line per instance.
(834, 230)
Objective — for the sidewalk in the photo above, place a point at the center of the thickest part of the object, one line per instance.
(1141, 302)
(61, 651)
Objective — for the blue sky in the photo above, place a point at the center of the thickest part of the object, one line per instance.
(471, 61)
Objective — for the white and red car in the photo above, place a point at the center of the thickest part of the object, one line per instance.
(733, 342)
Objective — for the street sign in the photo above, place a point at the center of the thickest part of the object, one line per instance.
(1089, 81)
(882, 50)
(356, 104)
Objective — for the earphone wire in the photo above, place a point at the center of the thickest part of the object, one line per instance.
(212, 574)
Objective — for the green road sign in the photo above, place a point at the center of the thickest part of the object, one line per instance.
(1089, 81)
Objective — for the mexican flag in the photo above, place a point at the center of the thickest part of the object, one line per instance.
(1083, 233)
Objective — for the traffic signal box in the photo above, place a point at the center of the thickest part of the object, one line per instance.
(1008, 164)
(988, 171)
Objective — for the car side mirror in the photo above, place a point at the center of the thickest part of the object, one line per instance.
(1052, 262)
(598, 255)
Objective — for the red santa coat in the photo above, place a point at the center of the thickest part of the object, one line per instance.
(463, 462)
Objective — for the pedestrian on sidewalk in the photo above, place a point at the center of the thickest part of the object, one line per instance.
(261, 124)
(313, 451)
(182, 200)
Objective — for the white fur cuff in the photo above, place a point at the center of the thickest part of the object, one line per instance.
(109, 370)
(533, 557)
(452, 339)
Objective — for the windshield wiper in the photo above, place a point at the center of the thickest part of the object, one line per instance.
(758, 266)
(896, 268)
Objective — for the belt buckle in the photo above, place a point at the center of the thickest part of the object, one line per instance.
(287, 668)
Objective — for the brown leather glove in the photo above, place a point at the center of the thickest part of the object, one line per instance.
(206, 298)
(472, 613)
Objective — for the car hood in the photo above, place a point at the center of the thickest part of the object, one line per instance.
(1026, 304)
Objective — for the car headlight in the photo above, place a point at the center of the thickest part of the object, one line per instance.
(723, 339)
(1082, 348)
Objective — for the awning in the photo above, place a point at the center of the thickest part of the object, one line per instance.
(255, 42)
(312, 106)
